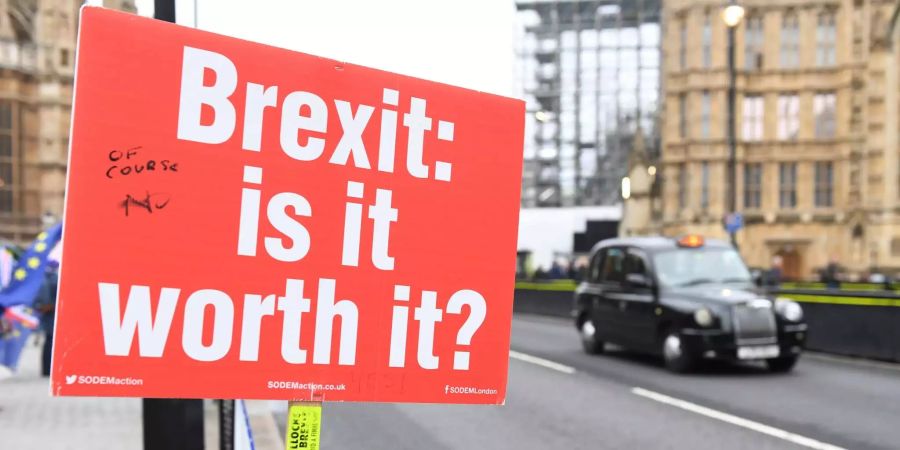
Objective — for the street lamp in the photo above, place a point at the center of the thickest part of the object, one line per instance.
(732, 16)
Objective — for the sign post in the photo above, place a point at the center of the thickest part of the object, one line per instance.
(243, 221)
(733, 223)
(171, 424)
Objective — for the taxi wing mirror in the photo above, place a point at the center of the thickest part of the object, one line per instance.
(638, 280)
(757, 277)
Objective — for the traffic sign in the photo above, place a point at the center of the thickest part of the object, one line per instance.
(243, 221)
(734, 222)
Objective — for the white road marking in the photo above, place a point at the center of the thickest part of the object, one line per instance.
(735, 420)
(542, 362)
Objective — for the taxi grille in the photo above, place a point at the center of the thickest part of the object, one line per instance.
(754, 325)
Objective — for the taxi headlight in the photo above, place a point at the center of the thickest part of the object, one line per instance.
(703, 317)
(788, 309)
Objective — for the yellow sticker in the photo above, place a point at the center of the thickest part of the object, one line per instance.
(304, 426)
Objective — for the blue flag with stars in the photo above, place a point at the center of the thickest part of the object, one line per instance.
(28, 273)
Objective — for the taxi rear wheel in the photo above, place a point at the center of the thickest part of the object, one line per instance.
(589, 341)
(676, 359)
(781, 365)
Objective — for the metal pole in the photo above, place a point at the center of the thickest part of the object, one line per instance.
(732, 142)
(226, 424)
(164, 10)
(172, 424)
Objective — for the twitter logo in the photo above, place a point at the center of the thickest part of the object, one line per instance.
(70, 379)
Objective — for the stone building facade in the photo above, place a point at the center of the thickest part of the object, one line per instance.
(37, 61)
(817, 130)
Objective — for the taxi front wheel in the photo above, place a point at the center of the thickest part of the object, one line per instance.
(676, 359)
(589, 341)
(781, 365)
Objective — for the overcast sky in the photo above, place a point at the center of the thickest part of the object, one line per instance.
(467, 43)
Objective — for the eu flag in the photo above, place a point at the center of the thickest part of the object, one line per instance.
(28, 273)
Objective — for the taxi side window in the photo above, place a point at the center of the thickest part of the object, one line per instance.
(613, 270)
(596, 265)
(634, 263)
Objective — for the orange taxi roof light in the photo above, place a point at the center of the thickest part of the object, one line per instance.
(691, 240)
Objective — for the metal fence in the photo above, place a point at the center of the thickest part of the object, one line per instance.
(861, 323)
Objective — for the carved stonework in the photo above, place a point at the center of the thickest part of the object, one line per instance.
(37, 58)
(23, 17)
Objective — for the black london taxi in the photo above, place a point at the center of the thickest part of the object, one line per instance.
(687, 299)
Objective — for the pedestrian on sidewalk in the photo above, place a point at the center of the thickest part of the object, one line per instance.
(831, 274)
(5, 328)
(20, 322)
(45, 304)
(773, 277)
(17, 298)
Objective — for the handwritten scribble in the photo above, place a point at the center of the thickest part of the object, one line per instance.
(116, 155)
(150, 202)
(125, 165)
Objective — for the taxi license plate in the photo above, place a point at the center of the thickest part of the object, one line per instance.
(758, 352)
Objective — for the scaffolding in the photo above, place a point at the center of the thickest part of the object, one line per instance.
(590, 74)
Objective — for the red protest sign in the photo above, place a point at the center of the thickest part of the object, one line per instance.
(244, 221)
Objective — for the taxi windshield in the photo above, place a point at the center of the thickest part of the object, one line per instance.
(695, 266)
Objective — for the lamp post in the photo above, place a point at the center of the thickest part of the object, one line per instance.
(732, 16)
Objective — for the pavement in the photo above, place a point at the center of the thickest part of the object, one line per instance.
(31, 419)
(559, 397)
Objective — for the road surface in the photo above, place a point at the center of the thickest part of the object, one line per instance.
(559, 397)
